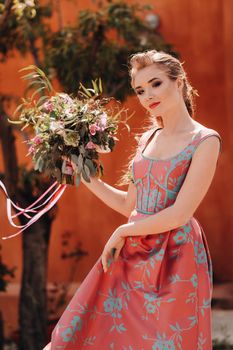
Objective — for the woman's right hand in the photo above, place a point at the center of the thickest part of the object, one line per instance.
(74, 167)
(48, 346)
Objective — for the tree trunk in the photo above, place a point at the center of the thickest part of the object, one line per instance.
(9, 154)
(32, 303)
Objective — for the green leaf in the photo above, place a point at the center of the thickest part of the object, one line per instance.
(85, 90)
(95, 86)
(74, 158)
(80, 163)
(86, 178)
(38, 91)
(42, 74)
(77, 179)
(91, 166)
(31, 66)
(18, 108)
(25, 126)
(41, 100)
(37, 164)
(41, 165)
(30, 76)
(53, 115)
(37, 76)
(87, 170)
(31, 86)
(14, 121)
(100, 86)
(83, 131)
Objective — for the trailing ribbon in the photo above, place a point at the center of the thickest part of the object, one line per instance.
(48, 203)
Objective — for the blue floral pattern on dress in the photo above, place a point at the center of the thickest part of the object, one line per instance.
(157, 295)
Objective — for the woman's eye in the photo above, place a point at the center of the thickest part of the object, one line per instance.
(139, 92)
(157, 83)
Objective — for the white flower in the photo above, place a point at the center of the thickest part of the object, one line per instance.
(57, 127)
(102, 121)
(30, 3)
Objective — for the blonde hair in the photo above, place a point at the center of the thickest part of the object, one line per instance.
(174, 69)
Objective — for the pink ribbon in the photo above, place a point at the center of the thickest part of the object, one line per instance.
(48, 203)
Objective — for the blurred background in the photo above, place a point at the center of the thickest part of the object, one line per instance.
(77, 41)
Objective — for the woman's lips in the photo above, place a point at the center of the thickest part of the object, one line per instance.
(154, 104)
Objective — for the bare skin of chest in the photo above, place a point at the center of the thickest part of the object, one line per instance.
(162, 147)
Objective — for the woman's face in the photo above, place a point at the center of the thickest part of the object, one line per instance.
(155, 91)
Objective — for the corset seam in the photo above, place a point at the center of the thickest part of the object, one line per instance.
(148, 183)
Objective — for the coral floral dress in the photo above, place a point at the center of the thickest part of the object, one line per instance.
(157, 295)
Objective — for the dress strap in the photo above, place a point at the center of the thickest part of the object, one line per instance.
(204, 134)
(146, 138)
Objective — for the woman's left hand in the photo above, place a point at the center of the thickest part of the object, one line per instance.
(113, 247)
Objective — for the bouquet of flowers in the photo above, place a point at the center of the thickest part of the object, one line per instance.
(68, 130)
(68, 135)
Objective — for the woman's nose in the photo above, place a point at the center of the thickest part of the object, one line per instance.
(149, 97)
(149, 94)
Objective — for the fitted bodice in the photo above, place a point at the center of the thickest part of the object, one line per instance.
(159, 181)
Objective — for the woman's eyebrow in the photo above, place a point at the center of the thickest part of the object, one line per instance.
(149, 81)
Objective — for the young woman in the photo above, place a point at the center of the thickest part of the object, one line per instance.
(152, 286)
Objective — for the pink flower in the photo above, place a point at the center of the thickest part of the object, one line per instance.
(48, 105)
(31, 149)
(93, 128)
(90, 145)
(37, 140)
(65, 97)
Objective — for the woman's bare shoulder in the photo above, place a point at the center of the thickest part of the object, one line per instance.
(198, 127)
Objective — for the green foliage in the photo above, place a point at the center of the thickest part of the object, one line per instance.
(67, 128)
(100, 44)
(21, 24)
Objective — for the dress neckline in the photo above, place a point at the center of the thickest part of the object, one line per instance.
(170, 158)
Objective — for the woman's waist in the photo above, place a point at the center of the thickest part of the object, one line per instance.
(138, 214)
(176, 236)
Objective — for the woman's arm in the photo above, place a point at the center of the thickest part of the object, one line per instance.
(121, 201)
(192, 192)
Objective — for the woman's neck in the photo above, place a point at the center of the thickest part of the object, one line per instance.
(176, 121)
